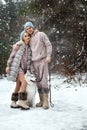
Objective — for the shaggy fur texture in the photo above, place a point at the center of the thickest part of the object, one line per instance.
(31, 89)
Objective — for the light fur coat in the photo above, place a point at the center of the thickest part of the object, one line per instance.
(16, 60)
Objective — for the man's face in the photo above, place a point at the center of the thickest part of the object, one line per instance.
(29, 30)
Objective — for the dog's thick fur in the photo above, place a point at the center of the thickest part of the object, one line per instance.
(31, 89)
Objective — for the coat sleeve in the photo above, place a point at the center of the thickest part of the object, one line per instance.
(11, 57)
(47, 44)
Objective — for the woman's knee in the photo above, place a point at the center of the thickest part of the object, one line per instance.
(21, 77)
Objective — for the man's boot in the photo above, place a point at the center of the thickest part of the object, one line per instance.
(40, 104)
(22, 101)
(45, 101)
(14, 99)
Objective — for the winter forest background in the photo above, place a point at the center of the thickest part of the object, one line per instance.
(65, 23)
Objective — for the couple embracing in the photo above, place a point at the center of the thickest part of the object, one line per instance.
(33, 52)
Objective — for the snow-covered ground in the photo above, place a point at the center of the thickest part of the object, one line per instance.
(69, 111)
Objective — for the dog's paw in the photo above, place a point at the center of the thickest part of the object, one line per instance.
(34, 106)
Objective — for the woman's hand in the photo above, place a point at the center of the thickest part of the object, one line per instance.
(48, 59)
(7, 70)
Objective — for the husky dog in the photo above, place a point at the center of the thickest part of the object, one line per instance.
(31, 89)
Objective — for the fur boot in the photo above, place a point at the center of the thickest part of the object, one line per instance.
(45, 101)
(14, 99)
(22, 101)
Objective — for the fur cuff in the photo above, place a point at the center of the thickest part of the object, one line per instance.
(14, 97)
(22, 96)
(43, 90)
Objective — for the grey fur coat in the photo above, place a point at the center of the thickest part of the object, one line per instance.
(14, 62)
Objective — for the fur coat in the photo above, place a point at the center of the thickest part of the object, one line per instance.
(15, 61)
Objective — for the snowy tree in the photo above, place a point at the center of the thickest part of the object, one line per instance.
(64, 21)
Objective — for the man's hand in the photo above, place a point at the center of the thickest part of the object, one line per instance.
(7, 70)
(15, 47)
(48, 59)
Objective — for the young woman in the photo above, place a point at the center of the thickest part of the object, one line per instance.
(17, 65)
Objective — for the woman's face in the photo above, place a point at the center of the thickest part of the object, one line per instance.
(26, 38)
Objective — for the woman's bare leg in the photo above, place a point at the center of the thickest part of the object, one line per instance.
(17, 88)
(23, 86)
(22, 95)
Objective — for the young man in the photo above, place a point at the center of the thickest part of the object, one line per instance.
(41, 55)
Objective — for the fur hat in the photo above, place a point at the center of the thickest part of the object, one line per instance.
(28, 24)
(22, 35)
